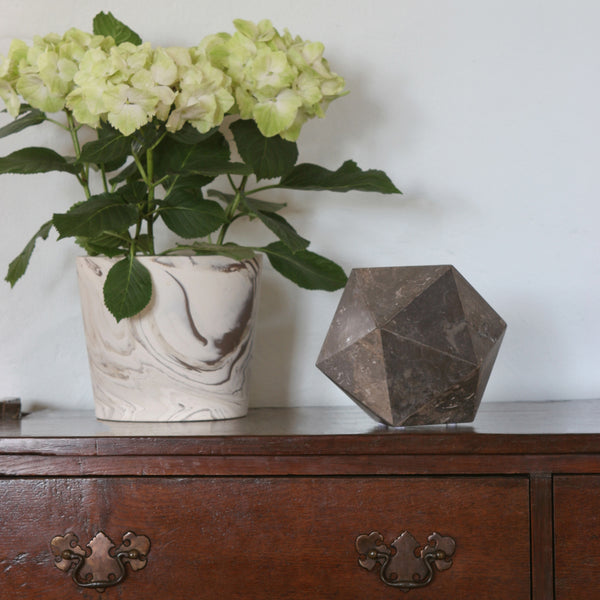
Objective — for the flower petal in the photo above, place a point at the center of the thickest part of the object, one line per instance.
(275, 116)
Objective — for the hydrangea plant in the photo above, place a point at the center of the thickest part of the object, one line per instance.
(160, 118)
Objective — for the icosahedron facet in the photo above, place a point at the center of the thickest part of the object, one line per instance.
(412, 345)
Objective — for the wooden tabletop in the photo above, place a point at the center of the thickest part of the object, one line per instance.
(519, 427)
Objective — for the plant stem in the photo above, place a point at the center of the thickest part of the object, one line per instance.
(151, 203)
(140, 167)
(264, 187)
(104, 180)
(222, 232)
(158, 141)
(83, 176)
(232, 208)
(61, 125)
(147, 175)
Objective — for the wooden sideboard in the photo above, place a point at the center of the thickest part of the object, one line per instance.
(284, 503)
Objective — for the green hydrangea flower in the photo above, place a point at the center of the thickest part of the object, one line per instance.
(9, 73)
(203, 97)
(130, 108)
(278, 80)
(43, 74)
(269, 73)
(257, 32)
(277, 115)
(164, 69)
(118, 86)
(94, 90)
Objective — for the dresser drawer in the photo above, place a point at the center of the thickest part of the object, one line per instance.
(577, 536)
(266, 538)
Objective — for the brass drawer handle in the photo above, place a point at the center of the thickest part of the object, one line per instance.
(400, 564)
(101, 567)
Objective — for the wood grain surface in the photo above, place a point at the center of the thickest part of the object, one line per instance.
(577, 537)
(266, 538)
(516, 428)
(270, 506)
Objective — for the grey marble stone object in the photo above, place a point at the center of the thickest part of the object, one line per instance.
(412, 345)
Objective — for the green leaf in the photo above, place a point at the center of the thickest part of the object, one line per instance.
(190, 183)
(104, 212)
(215, 169)
(108, 148)
(174, 157)
(129, 172)
(108, 24)
(147, 136)
(128, 288)
(19, 265)
(269, 157)
(253, 204)
(209, 157)
(282, 229)
(305, 268)
(113, 165)
(347, 177)
(230, 250)
(134, 192)
(247, 205)
(106, 131)
(103, 244)
(144, 244)
(189, 215)
(222, 196)
(35, 160)
(188, 134)
(31, 117)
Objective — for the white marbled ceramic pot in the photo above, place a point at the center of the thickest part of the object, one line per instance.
(185, 356)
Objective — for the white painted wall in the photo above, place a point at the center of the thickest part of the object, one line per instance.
(484, 112)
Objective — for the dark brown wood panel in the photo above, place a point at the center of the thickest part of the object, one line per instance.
(151, 466)
(267, 538)
(542, 556)
(577, 537)
(270, 506)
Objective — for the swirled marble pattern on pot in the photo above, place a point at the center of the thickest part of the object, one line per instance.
(185, 357)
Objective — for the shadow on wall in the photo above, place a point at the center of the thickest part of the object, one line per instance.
(533, 345)
(274, 343)
(355, 125)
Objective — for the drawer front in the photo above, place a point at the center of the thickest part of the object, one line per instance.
(577, 536)
(266, 538)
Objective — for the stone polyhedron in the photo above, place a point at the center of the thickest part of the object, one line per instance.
(412, 345)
